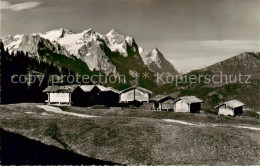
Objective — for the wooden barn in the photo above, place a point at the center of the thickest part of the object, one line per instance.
(99, 95)
(190, 104)
(233, 108)
(135, 94)
(162, 103)
(109, 96)
(61, 95)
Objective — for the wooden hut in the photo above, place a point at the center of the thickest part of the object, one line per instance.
(190, 104)
(99, 95)
(109, 96)
(162, 102)
(61, 95)
(233, 108)
(135, 94)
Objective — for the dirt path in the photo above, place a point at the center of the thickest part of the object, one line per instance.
(59, 111)
(180, 122)
(210, 125)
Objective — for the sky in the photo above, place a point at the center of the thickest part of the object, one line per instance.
(190, 33)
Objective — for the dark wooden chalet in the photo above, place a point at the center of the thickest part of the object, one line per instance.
(99, 95)
(162, 102)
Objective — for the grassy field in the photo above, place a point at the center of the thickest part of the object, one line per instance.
(139, 136)
(141, 113)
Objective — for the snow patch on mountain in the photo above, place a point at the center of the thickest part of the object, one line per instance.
(143, 54)
(52, 35)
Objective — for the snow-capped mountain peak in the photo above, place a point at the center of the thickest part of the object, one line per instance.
(88, 32)
(155, 50)
(112, 32)
(154, 57)
(65, 31)
(156, 62)
(54, 35)
(118, 42)
(114, 37)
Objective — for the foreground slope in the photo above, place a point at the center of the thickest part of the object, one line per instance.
(139, 137)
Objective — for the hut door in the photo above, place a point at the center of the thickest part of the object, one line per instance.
(156, 105)
(238, 111)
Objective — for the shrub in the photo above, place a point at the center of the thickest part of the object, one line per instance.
(251, 114)
(211, 112)
(53, 131)
(100, 107)
(63, 108)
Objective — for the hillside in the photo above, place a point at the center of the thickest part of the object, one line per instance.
(245, 63)
(216, 92)
(137, 137)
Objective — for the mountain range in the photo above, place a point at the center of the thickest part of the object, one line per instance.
(92, 48)
(89, 52)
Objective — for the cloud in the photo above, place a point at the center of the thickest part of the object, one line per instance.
(18, 6)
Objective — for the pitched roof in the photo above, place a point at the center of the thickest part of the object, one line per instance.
(137, 87)
(159, 98)
(190, 99)
(231, 104)
(60, 89)
(71, 88)
(106, 89)
(113, 90)
(88, 88)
